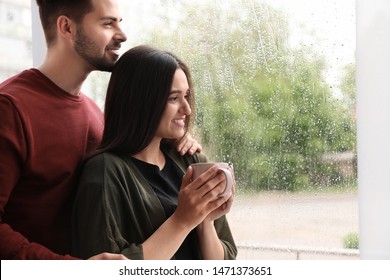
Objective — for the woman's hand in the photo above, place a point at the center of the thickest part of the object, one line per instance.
(210, 244)
(198, 198)
(226, 205)
(222, 210)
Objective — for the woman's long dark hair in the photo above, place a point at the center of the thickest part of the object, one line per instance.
(136, 98)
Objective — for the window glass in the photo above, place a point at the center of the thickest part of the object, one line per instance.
(15, 37)
(275, 96)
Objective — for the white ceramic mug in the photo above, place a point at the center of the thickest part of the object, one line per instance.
(201, 167)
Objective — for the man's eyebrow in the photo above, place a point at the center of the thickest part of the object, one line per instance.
(111, 18)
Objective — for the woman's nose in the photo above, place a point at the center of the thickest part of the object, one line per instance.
(186, 108)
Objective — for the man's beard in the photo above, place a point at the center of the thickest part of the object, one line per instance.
(90, 52)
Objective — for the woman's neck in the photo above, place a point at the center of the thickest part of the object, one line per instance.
(152, 154)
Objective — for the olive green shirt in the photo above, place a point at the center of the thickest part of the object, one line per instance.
(116, 209)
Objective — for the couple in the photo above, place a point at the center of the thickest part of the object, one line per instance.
(47, 127)
(129, 198)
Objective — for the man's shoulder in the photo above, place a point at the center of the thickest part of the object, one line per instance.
(25, 87)
(12, 84)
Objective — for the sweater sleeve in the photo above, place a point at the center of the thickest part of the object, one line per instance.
(13, 149)
(225, 236)
(99, 215)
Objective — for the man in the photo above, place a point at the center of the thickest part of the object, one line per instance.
(48, 127)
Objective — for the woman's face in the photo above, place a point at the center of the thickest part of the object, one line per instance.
(172, 123)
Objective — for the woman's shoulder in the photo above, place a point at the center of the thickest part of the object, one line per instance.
(107, 166)
(105, 160)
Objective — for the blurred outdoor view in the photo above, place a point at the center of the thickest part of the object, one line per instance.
(275, 90)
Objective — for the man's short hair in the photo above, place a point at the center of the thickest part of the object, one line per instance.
(50, 10)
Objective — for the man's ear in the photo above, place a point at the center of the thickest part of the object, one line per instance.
(66, 28)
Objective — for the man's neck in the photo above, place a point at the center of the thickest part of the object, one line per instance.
(64, 73)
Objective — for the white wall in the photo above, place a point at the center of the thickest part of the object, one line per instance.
(373, 118)
(38, 38)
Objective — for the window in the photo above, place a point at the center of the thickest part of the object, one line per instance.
(275, 89)
(15, 37)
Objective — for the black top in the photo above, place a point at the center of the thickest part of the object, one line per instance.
(166, 184)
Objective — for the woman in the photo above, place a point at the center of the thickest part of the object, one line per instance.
(136, 196)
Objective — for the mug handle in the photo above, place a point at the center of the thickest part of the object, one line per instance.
(229, 182)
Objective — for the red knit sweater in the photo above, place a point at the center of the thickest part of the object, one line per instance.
(45, 134)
